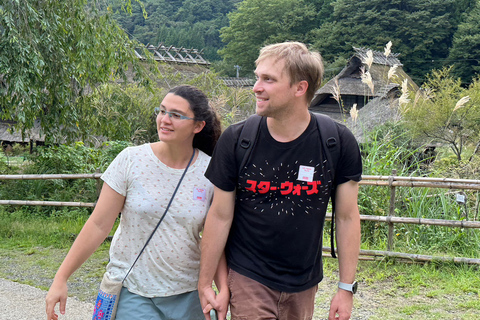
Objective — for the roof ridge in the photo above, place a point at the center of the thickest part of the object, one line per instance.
(378, 57)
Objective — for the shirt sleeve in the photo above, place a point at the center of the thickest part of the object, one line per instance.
(350, 162)
(116, 174)
(223, 168)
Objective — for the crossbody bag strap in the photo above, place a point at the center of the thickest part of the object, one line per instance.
(163, 216)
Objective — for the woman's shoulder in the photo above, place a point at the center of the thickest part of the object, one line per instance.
(138, 149)
(132, 152)
(203, 157)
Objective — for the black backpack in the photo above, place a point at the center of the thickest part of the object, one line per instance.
(331, 150)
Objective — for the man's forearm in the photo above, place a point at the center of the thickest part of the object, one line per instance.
(213, 243)
(348, 243)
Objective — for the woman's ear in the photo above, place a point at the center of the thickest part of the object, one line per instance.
(199, 125)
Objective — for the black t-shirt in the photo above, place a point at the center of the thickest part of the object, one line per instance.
(281, 200)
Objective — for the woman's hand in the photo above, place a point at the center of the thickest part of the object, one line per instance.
(223, 299)
(57, 293)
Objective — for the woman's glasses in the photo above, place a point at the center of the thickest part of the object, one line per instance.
(171, 114)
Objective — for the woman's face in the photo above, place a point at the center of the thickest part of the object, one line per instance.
(175, 120)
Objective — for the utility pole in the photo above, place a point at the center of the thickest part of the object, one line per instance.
(238, 69)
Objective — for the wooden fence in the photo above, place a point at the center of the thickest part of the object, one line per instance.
(392, 182)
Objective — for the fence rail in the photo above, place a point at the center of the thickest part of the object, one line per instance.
(392, 182)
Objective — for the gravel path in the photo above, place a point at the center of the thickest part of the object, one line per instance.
(38, 267)
(21, 301)
(381, 295)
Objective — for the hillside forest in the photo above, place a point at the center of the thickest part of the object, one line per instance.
(58, 60)
(427, 34)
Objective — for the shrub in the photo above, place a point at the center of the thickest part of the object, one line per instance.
(61, 159)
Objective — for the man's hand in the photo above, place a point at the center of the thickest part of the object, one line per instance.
(341, 305)
(209, 300)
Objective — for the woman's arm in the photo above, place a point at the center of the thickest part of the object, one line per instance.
(93, 233)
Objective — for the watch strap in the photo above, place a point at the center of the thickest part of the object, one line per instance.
(348, 287)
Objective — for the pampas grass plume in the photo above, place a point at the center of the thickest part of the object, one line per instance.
(336, 91)
(354, 113)
(367, 79)
(369, 59)
(404, 97)
(460, 103)
(392, 71)
(387, 48)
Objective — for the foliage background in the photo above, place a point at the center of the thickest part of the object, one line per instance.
(428, 35)
(75, 71)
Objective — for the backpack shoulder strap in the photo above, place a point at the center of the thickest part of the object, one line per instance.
(330, 141)
(246, 140)
(331, 150)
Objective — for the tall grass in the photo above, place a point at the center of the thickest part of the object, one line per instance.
(389, 147)
(386, 149)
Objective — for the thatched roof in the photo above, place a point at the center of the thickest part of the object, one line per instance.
(376, 112)
(378, 57)
(9, 135)
(349, 81)
(238, 82)
(172, 54)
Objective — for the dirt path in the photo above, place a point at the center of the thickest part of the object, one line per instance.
(395, 297)
(21, 301)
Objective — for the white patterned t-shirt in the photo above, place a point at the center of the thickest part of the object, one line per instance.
(170, 263)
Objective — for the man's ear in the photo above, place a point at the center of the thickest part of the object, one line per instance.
(302, 87)
(199, 125)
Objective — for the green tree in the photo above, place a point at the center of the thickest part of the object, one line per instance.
(187, 23)
(465, 51)
(422, 31)
(55, 53)
(443, 111)
(123, 113)
(256, 23)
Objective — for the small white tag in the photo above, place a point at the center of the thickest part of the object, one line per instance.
(306, 173)
(199, 194)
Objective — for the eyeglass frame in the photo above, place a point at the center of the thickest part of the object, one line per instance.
(172, 114)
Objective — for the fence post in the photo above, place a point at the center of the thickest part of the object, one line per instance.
(391, 211)
(99, 183)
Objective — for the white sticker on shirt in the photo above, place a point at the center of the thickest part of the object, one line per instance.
(305, 173)
(199, 194)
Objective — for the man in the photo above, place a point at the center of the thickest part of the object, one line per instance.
(270, 216)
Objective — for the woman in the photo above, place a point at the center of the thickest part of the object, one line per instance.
(139, 183)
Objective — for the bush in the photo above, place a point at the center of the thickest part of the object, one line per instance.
(61, 159)
(390, 147)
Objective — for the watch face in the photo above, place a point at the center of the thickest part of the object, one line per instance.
(354, 287)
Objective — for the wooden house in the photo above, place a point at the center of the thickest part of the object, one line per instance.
(9, 136)
(338, 95)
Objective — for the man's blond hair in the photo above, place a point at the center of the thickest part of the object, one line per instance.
(300, 63)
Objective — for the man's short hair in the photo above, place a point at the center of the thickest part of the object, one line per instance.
(300, 63)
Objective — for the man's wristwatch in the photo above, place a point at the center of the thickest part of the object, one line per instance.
(348, 287)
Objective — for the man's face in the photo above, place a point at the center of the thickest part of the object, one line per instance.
(272, 89)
